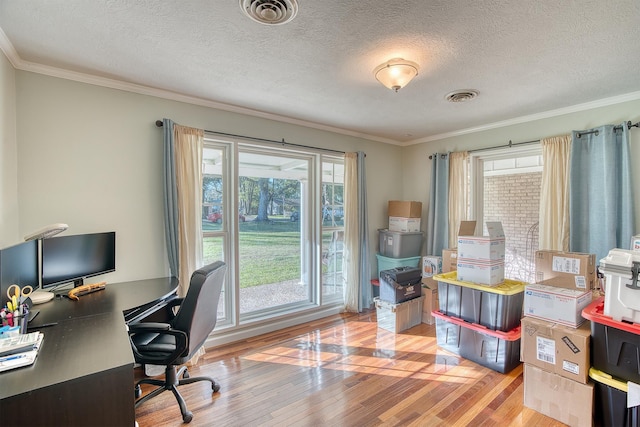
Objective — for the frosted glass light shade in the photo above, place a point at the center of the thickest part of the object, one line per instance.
(396, 73)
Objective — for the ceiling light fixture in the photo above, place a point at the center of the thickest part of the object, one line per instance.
(396, 73)
(270, 12)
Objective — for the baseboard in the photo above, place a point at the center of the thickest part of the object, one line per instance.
(263, 327)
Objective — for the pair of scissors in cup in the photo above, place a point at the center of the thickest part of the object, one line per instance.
(17, 296)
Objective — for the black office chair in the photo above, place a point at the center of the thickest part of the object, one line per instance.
(175, 342)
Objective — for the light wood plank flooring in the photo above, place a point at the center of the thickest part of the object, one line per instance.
(345, 371)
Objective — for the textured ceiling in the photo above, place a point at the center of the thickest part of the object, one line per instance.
(526, 58)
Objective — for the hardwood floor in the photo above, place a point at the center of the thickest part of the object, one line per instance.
(345, 371)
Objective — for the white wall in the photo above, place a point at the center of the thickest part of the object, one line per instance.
(8, 156)
(417, 167)
(91, 157)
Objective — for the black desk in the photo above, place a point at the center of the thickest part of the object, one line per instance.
(83, 374)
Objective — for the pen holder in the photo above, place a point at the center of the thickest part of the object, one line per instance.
(22, 320)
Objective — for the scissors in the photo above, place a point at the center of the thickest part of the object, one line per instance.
(17, 296)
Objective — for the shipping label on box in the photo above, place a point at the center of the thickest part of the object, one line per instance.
(431, 265)
(404, 224)
(565, 400)
(485, 248)
(449, 260)
(484, 273)
(556, 304)
(570, 270)
(404, 209)
(557, 348)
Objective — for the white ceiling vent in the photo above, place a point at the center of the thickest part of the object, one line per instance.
(270, 12)
(461, 95)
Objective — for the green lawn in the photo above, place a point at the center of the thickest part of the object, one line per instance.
(269, 252)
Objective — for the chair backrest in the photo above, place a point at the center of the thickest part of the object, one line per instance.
(199, 310)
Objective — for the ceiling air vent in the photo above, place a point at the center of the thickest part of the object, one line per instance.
(461, 95)
(270, 12)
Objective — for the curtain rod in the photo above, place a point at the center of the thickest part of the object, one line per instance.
(511, 144)
(159, 124)
(629, 126)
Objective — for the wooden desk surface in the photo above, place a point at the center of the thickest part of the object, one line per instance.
(89, 340)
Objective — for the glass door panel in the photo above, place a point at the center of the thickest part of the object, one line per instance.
(274, 244)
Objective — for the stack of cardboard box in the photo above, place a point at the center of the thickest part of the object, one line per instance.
(431, 266)
(480, 259)
(556, 339)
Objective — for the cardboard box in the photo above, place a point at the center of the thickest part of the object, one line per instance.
(484, 248)
(430, 302)
(570, 270)
(556, 304)
(482, 272)
(431, 265)
(565, 400)
(557, 348)
(403, 224)
(449, 260)
(405, 209)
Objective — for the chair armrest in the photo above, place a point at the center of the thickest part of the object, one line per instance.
(148, 327)
(182, 342)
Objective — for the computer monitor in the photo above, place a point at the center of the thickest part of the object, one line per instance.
(74, 258)
(19, 266)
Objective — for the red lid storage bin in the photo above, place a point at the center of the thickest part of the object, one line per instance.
(615, 345)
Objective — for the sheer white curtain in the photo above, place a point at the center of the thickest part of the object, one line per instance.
(188, 165)
(554, 193)
(458, 194)
(356, 264)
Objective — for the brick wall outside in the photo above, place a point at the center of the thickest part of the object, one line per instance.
(514, 200)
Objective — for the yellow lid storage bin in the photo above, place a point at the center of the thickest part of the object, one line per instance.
(495, 307)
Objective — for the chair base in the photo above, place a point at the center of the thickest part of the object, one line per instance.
(172, 382)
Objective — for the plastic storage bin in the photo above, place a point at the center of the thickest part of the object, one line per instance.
(615, 346)
(496, 350)
(386, 263)
(495, 307)
(398, 244)
(400, 284)
(622, 293)
(610, 402)
(398, 317)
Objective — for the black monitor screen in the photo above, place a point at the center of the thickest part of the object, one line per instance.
(74, 258)
(19, 266)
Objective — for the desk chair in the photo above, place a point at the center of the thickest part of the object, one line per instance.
(175, 342)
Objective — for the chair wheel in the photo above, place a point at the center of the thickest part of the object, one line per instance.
(215, 387)
(185, 374)
(187, 417)
(137, 391)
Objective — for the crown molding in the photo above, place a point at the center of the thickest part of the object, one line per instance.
(18, 63)
(12, 55)
(633, 96)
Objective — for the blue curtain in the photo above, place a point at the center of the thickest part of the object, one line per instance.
(438, 217)
(601, 206)
(170, 199)
(366, 297)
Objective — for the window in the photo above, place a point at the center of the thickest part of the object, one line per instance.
(505, 187)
